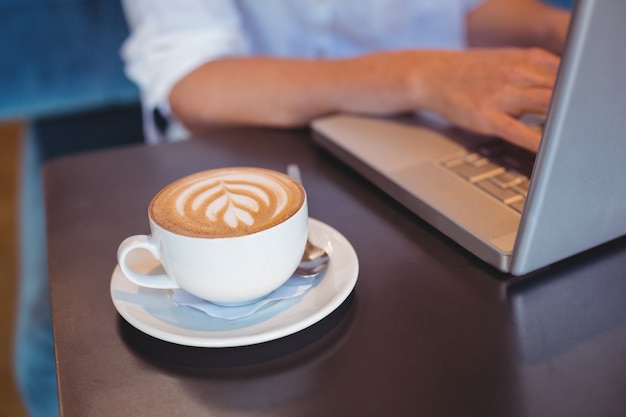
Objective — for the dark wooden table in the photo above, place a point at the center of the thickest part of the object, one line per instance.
(427, 331)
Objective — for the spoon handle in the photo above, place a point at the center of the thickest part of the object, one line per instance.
(293, 170)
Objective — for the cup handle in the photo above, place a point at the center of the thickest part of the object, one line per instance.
(161, 281)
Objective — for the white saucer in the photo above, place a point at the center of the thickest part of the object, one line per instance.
(153, 312)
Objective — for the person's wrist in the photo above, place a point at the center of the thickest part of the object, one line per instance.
(427, 92)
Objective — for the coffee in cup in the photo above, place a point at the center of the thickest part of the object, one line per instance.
(227, 235)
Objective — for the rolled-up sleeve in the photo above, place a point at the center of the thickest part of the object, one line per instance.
(168, 39)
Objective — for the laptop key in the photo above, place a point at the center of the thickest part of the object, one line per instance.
(518, 205)
(506, 195)
(522, 187)
(474, 173)
(508, 179)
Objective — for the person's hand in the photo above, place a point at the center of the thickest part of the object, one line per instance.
(482, 90)
(486, 90)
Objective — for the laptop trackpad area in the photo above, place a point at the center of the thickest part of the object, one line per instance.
(385, 144)
(456, 207)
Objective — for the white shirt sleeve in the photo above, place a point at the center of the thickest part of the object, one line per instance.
(171, 38)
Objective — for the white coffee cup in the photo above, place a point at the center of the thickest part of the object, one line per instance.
(224, 255)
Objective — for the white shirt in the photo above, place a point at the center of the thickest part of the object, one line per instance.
(170, 38)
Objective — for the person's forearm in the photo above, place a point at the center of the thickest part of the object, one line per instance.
(481, 90)
(289, 93)
(523, 23)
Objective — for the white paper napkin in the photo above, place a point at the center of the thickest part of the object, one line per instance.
(294, 287)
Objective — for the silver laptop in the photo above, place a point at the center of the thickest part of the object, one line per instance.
(514, 210)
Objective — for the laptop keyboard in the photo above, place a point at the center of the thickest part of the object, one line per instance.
(497, 168)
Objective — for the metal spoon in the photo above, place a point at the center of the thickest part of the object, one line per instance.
(315, 259)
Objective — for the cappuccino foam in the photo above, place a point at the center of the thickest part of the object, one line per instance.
(227, 202)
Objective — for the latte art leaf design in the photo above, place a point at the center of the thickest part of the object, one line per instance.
(235, 209)
(234, 200)
(227, 202)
